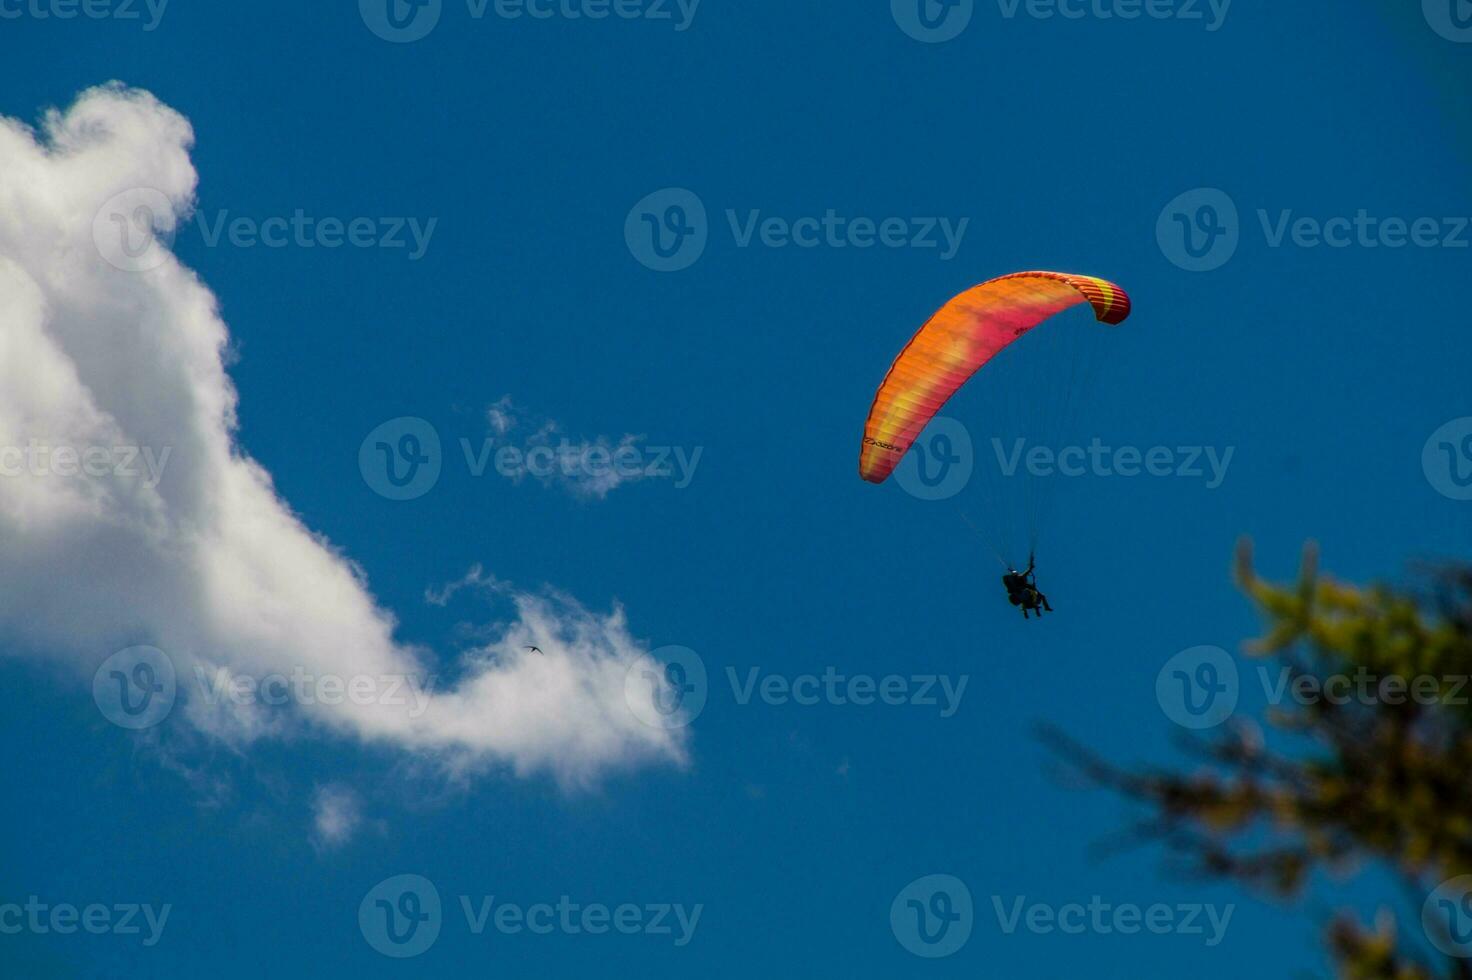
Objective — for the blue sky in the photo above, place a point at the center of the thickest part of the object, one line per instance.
(793, 827)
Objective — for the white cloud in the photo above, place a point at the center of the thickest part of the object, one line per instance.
(336, 816)
(501, 416)
(107, 343)
(590, 469)
(476, 578)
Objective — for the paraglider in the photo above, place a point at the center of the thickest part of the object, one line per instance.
(961, 338)
(1022, 590)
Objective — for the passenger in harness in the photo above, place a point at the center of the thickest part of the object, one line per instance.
(1022, 590)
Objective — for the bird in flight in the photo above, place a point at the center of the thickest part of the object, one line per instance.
(536, 650)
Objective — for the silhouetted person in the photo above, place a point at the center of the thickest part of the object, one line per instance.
(1022, 590)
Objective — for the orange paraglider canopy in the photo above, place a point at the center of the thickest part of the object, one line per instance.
(953, 345)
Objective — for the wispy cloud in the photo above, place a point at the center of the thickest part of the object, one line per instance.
(477, 579)
(585, 468)
(337, 815)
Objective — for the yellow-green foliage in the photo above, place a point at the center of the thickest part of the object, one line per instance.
(1342, 786)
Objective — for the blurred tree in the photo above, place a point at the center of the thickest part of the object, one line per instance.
(1376, 774)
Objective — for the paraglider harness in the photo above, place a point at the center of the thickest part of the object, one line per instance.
(1022, 590)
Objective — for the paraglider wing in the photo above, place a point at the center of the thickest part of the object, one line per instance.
(954, 344)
